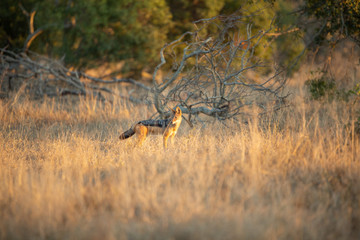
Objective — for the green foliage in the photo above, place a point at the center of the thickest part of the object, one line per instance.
(13, 24)
(281, 46)
(356, 90)
(290, 45)
(184, 12)
(88, 32)
(113, 30)
(320, 85)
(339, 18)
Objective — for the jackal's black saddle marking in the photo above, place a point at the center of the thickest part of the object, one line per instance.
(163, 123)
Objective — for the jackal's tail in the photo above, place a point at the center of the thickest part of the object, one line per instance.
(127, 134)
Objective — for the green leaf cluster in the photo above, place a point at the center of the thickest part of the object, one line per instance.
(322, 86)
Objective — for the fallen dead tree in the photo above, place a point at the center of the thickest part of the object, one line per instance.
(42, 76)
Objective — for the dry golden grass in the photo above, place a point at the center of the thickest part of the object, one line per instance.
(65, 175)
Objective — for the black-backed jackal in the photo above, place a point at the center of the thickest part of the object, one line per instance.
(166, 127)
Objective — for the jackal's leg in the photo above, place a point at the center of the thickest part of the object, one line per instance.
(166, 136)
(142, 132)
(165, 141)
(172, 138)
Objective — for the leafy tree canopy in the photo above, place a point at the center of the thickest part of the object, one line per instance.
(88, 32)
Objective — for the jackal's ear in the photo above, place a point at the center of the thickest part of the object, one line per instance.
(173, 110)
(178, 110)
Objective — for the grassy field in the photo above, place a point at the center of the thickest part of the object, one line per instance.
(65, 175)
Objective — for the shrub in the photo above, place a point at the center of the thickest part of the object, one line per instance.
(321, 86)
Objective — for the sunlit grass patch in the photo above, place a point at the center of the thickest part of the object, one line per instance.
(65, 174)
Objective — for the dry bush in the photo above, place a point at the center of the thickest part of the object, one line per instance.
(65, 175)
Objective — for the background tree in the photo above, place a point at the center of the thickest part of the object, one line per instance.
(335, 19)
(185, 12)
(87, 33)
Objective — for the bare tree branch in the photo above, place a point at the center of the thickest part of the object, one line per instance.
(214, 75)
(44, 76)
(122, 80)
